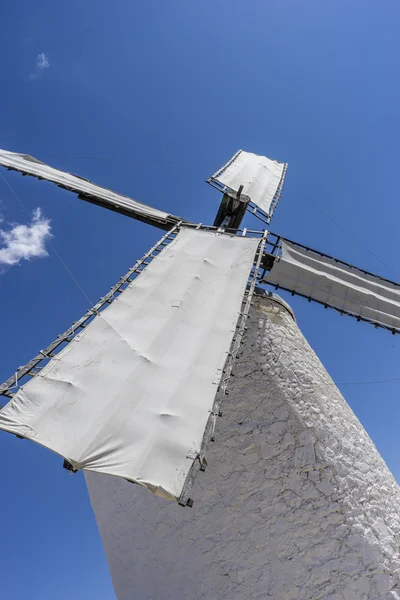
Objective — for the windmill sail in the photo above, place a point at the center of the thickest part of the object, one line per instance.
(96, 194)
(337, 285)
(262, 179)
(132, 393)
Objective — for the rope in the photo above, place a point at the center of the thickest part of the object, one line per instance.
(128, 160)
(353, 238)
(50, 244)
(367, 382)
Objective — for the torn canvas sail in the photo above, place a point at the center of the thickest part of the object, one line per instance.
(335, 284)
(262, 179)
(132, 393)
(96, 194)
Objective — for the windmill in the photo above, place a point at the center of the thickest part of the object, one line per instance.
(134, 389)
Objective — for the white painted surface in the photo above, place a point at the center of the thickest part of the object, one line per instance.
(296, 503)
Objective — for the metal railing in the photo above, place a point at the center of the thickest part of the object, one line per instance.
(200, 462)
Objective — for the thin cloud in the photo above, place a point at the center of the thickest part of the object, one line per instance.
(24, 242)
(42, 63)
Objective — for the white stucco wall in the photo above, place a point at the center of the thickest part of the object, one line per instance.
(296, 503)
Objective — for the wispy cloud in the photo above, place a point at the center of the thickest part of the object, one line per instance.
(42, 63)
(23, 242)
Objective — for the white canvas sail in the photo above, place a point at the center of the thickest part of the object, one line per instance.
(338, 285)
(132, 393)
(27, 165)
(262, 178)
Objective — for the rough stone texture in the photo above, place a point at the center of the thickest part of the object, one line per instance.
(296, 502)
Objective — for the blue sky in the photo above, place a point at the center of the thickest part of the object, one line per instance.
(149, 98)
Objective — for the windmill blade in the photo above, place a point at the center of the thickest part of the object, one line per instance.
(133, 393)
(86, 190)
(255, 178)
(334, 283)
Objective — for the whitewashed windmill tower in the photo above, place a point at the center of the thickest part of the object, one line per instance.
(295, 501)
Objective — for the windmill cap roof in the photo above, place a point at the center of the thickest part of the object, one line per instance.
(275, 298)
